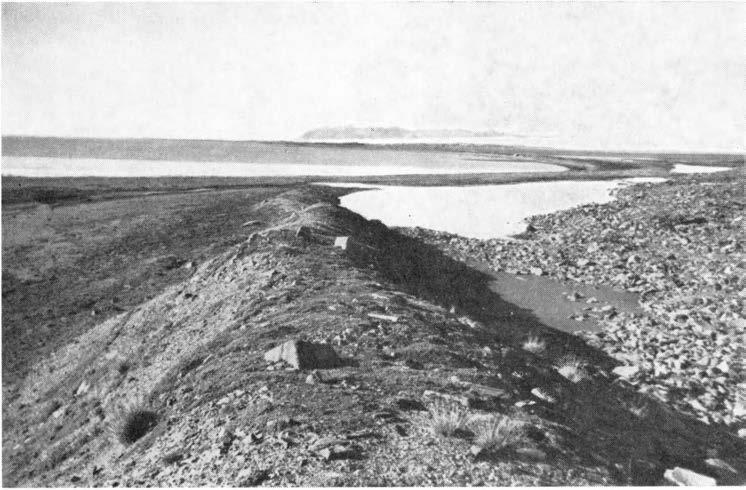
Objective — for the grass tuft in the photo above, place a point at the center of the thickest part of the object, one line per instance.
(572, 368)
(131, 422)
(496, 433)
(123, 367)
(447, 418)
(534, 345)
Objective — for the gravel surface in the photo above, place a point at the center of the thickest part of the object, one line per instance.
(423, 340)
(680, 245)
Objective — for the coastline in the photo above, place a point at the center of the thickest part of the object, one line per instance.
(677, 245)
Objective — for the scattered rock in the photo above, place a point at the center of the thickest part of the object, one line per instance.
(83, 388)
(304, 355)
(687, 478)
(251, 477)
(465, 320)
(343, 242)
(723, 469)
(327, 442)
(524, 403)
(490, 391)
(476, 450)
(723, 367)
(59, 412)
(626, 371)
(544, 394)
(340, 452)
(388, 318)
(574, 296)
(678, 246)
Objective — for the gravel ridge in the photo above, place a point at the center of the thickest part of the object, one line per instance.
(680, 246)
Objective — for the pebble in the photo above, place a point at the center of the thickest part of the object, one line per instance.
(542, 394)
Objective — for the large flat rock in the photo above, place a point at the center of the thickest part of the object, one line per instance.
(304, 355)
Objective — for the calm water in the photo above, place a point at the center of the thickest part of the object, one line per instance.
(680, 168)
(324, 163)
(488, 211)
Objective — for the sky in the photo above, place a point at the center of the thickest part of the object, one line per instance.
(636, 76)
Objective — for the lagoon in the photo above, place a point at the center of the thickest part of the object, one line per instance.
(681, 168)
(402, 163)
(484, 211)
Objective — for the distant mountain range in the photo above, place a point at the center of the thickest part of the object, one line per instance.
(357, 133)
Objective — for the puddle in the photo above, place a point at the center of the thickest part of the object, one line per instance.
(547, 299)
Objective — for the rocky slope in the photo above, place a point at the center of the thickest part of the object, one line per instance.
(680, 245)
(419, 335)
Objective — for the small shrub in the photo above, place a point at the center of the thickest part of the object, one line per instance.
(496, 433)
(123, 366)
(572, 368)
(131, 422)
(534, 345)
(448, 418)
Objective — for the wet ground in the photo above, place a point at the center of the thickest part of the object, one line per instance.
(549, 299)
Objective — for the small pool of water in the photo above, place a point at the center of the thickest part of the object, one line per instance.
(546, 298)
(680, 168)
(485, 211)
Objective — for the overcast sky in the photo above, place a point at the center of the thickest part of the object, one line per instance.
(610, 76)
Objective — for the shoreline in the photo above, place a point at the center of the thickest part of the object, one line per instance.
(26, 145)
(676, 245)
(70, 190)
